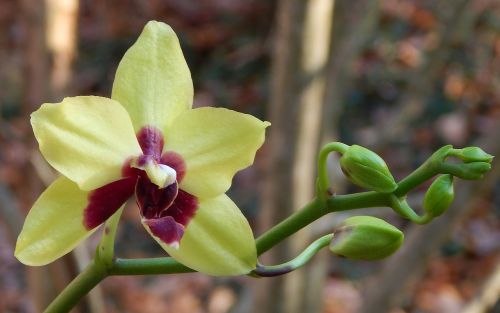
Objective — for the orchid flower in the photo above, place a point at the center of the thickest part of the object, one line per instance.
(146, 140)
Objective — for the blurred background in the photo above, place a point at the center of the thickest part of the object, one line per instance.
(400, 77)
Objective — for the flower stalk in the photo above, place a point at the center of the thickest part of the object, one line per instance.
(104, 264)
(106, 249)
(296, 263)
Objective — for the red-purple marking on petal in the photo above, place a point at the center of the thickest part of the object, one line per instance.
(167, 229)
(183, 209)
(151, 141)
(175, 161)
(153, 200)
(106, 200)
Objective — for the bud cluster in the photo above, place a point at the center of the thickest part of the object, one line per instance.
(368, 238)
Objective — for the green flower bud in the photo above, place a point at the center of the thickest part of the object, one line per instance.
(474, 154)
(439, 196)
(366, 238)
(366, 169)
(472, 170)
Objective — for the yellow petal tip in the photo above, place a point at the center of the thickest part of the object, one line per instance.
(22, 255)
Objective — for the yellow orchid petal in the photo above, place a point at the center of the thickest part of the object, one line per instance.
(215, 143)
(64, 215)
(153, 81)
(217, 241)
(54, 226)
(87, 139)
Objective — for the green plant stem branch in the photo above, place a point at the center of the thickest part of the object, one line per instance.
(98, 270)
(79, 287)
(106, 248)
(423, 173)
(313, 211)
(299, 261)
(402, 208)
(323, 183)
(427, 170)
(149, 266)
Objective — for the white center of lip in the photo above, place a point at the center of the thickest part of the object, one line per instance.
(170, 175)
(159, 174)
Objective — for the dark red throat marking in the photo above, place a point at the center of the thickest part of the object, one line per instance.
(105, 201)
(152, 200)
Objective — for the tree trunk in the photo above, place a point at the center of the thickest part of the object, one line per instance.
(35, 88)
(353, 25)
(62, 20)
(296, 108)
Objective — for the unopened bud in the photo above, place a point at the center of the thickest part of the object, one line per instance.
(366, 169)
(366, 238)
(439, 196)
(474, 154)
(473, 170)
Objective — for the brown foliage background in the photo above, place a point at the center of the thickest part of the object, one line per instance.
(407, 76)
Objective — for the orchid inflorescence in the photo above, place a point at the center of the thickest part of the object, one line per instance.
(146, 142)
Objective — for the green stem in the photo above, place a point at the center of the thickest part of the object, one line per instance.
(299, 261)
(96, 271)
(455, 153)
(318, 207)
(430, 168)
(150, 266)
(313, 211)
(402, 207)
(323, 183)
(106, 247)
(369, 199)
(79, 287)
(425, 172)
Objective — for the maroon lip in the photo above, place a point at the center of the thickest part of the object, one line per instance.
(167, 229)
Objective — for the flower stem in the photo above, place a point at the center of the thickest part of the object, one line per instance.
(425, 172)
(323, 183)
(103, 264)
(402, 207)
(98, 270)
(79, 287)
(313, 211)
(299, 261)
(149, 266)
(106, 249)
